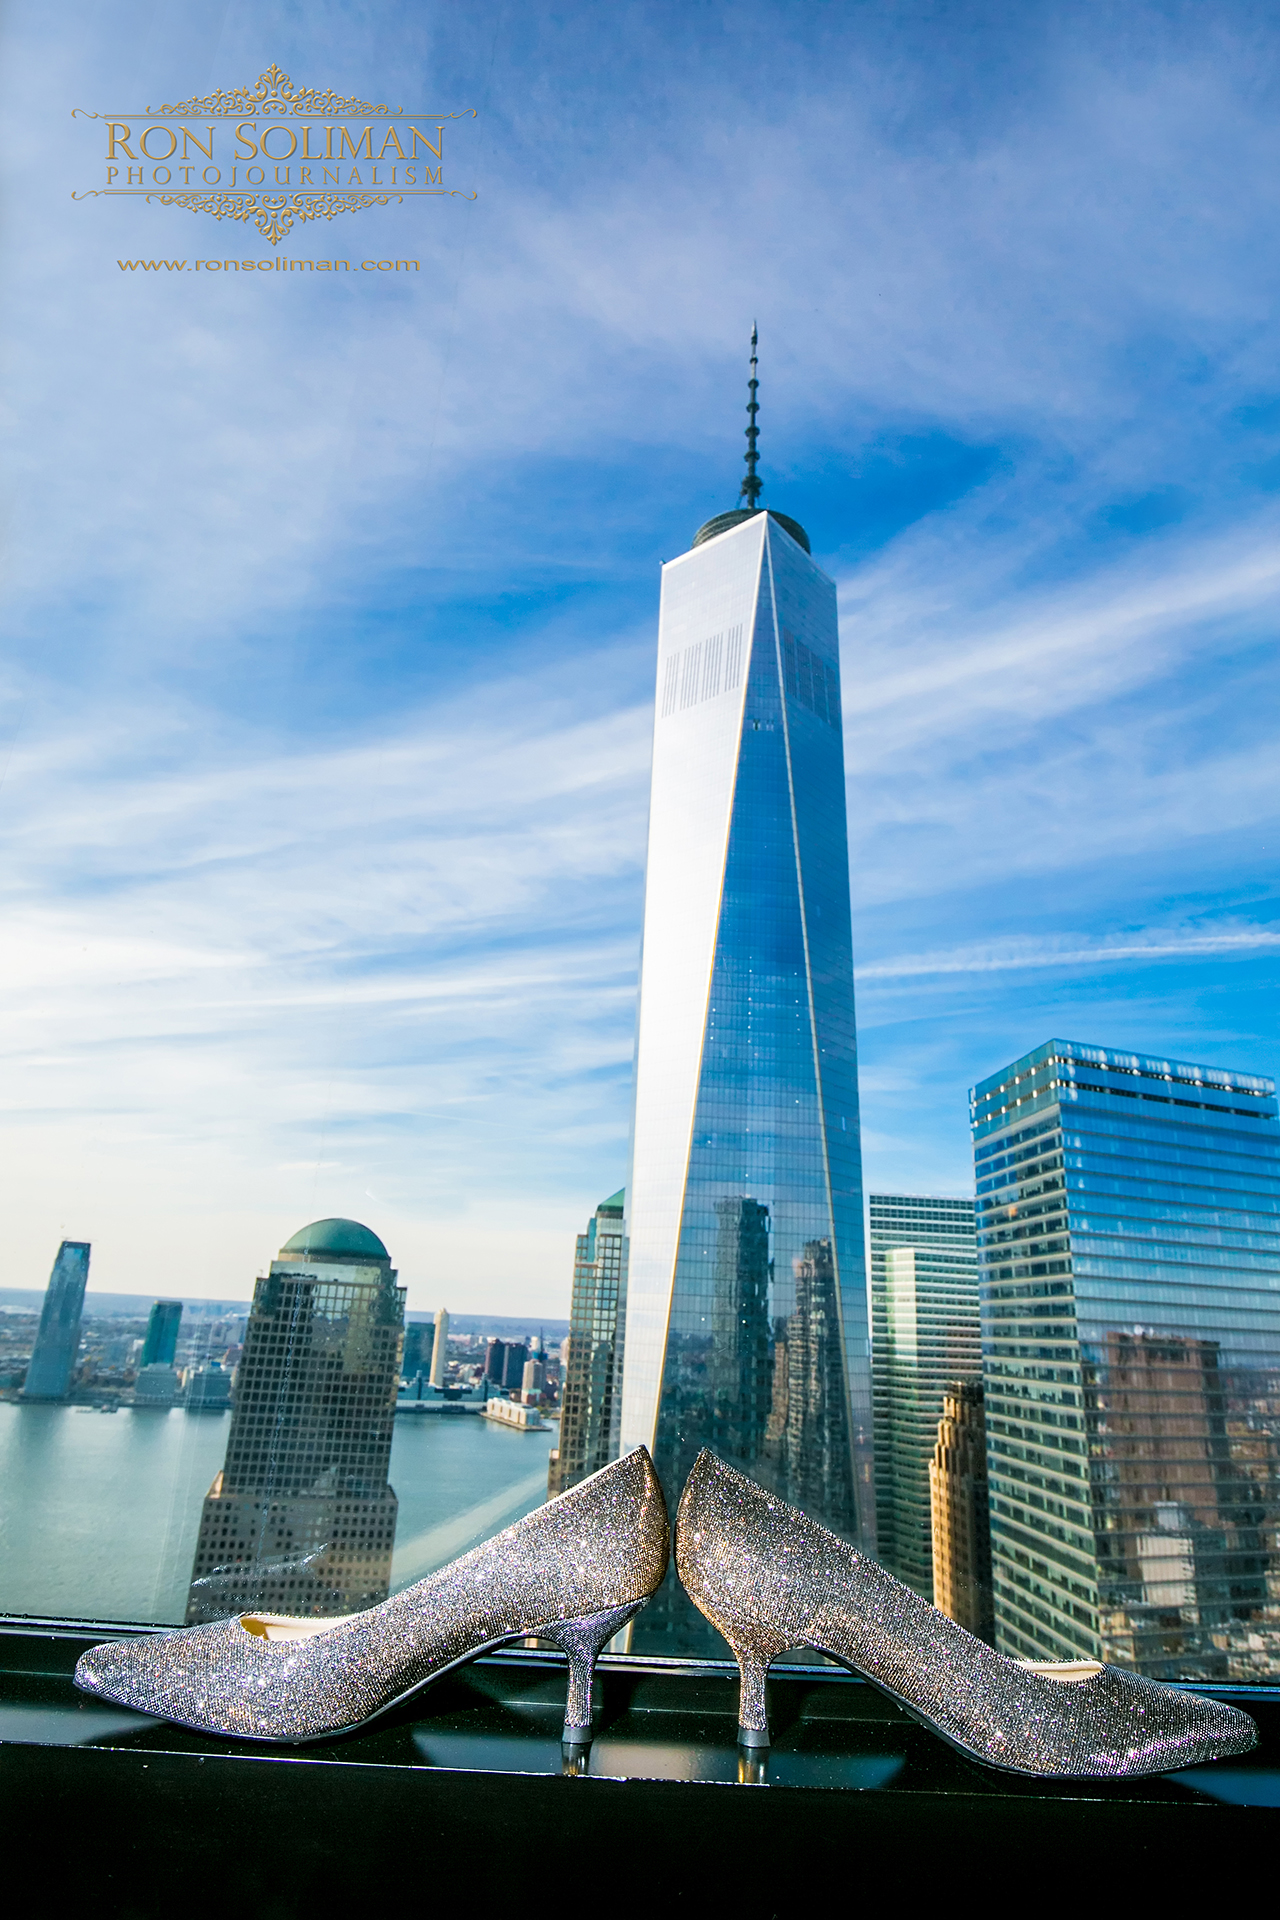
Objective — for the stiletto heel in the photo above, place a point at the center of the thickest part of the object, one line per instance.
(581, 1641)
(770, 1578)
(573, 1572)
(753, 1705)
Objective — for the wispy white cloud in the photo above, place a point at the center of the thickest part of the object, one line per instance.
(1077, 952)
(306, 895)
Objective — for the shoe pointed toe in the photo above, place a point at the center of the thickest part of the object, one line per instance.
(1212, 1730)
(129, 1673)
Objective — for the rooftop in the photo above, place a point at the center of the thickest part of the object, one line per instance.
(336, 1240)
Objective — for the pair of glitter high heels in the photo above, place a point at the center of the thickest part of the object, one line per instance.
(579, 1568)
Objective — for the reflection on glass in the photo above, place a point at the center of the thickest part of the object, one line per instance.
(1130, 1253)
(301, 1519)
(746, 1321)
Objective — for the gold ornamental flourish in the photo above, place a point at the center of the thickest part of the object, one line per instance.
(272, 213)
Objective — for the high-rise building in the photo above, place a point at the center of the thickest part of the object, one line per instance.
(301, 1519)
(591, 1370)
(961, 1521)
(1129, 1248)
(418, 1338)
(53, 1357)
(440, 1348)
(161, 1342)
(924, 1334)
(514, 1359)
(746, 1322)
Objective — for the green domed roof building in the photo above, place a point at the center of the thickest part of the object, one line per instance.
(335, 1240)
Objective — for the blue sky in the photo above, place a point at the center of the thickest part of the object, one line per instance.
(331, 602)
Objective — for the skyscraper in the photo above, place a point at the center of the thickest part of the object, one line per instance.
(746, 1323)
(591, 1376)
(53, 1358)
(960, 1516)
(301, 1519)
(418, 1338)
(924, 1334)
(161, 1342)
(1129, 1247)
(440, 1348)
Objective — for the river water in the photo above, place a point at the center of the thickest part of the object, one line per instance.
(99, 1512)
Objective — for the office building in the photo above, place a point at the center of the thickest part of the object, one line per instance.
(161, 1342)
(418, 1338)
(746, 1320)
(1129, 1251)
(924, 1334)
(57, 1342)
(960, 1518)
(209, 1388)
(591, 1369)
(301, 1519)
(156, 1386)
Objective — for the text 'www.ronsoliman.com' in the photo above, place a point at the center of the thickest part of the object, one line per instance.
(269, 266)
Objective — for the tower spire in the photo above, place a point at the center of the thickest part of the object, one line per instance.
(752, 486)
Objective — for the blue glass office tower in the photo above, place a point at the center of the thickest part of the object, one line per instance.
(746, 1325)
(161, 1343)
(53, 1358)
(1129, 1248)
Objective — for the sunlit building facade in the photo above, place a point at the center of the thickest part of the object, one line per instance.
(591, 1368)
(960, 1514)
(53, 1357)
(924, 1336)
(746, 1323)
(301, 1520)
(1129, 1246)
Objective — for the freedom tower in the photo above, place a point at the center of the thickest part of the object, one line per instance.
(746, 1327)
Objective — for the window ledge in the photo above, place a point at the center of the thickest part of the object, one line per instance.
(480, 1751)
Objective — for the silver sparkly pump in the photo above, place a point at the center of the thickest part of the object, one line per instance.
(770, 1578)
(572, 1572)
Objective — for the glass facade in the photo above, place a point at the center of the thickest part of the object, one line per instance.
(746, 1323)
(301, 1519)
(57, 1341)
(924, 1337)
(161, 1342)
(1129, 1248)
(591, 1359)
